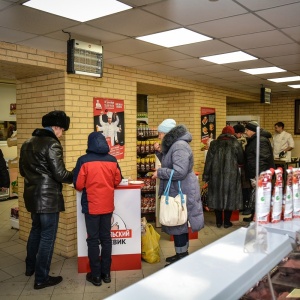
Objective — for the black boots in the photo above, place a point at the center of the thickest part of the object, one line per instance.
(249, 219)
(176, 257)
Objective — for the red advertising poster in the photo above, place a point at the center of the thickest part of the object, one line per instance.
(208, 126)
(109, 119)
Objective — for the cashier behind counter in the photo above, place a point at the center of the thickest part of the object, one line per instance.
(283, 143)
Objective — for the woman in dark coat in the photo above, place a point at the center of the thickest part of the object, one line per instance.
(176, 154)
(222, 173)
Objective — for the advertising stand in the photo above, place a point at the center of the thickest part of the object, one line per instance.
(125, 231)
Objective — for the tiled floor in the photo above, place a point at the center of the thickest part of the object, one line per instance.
(14, 285)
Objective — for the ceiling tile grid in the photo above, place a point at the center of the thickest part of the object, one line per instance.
(268, 30)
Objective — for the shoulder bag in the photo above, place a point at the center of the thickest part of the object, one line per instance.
(173, 211)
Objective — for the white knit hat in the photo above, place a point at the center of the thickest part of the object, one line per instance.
(166, 125)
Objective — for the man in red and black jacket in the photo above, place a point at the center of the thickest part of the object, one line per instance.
(97, 174)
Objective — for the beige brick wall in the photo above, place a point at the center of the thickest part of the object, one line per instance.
(280, 109)
(39, 94)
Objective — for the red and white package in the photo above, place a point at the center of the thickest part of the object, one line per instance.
(263, 201)
(276, 204)
(287, 203)
(296, 192)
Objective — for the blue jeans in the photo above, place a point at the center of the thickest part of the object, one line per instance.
(181, 242)
(40, 244)
(98, 231)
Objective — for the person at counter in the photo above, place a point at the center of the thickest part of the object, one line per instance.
(222, 173)
(97, 174)
(266, 160)
(283, 143)
(176, 154)
(43, 168)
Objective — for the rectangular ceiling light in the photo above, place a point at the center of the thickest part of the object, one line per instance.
(175, 37)
(79, 10)
(268, 70)
(295, 86)
(285, 79)
(229, 57)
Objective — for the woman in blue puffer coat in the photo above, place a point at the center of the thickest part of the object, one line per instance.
(176, 154)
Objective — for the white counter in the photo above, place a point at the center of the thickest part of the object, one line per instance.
(125, 231)
(220, 271)
(290, 228)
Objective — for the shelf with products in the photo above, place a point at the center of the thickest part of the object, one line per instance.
(143, 132)
(146, 138)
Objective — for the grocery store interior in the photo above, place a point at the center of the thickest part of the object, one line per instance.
(150, 80)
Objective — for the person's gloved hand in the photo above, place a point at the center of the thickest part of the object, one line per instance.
(281, 154)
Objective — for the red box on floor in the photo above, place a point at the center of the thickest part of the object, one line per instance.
(192, 235)
(235, 216)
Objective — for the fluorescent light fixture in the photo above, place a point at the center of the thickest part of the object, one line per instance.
(175, 37)
(285, 79)
(229, 57)
(268, 70)
(79, 10)
(295, 86)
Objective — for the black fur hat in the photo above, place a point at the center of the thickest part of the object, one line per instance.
(56, 118)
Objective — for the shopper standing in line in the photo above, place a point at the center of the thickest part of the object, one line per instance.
(222, 173)
(42, 166)
(97, 174)
(239, 131)
(266, 159)
(176, 154)
(4, 175)
(283, 143)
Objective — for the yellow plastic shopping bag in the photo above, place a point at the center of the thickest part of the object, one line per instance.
(150, 245)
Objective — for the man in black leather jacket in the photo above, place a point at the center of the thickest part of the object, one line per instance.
(42, 166)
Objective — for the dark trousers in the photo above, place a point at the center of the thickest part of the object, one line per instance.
(181, 242)
(98, 233)
(40, 244)
(219, 216)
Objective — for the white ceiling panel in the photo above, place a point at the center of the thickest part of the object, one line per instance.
(232, 26)
(190, 12)
(284, 60)
(204, 49)
(87, 33)
(293, 32)
(130, 47)
(46, 44)
(278, 16)
(273, 51)
(264, 4)
(163, 55)
(133, 23)
(127, 61)
(188, 63)
(209, 69)
(14, 36)
(32, 21)
(155, 68)
(262, 39)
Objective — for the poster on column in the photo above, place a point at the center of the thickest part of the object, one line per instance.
(109, 120)
(208, 126)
